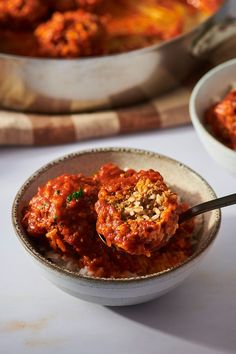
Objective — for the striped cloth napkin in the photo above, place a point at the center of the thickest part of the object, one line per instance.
(169, 110)
(32, 129)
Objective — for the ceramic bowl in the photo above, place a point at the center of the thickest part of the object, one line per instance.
(128, 291)
(210, 88)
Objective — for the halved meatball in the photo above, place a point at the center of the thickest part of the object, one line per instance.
(136, 211)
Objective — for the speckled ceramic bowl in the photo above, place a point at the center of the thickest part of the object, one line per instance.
(119, 292)
(210, 88)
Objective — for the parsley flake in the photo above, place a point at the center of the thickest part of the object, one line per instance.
(75, 195)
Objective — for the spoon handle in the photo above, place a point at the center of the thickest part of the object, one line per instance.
(208, 206)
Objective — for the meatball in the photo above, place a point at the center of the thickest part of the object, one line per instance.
(71, 34)
(221, 118)
(22, 12)
(136, 212)
(63, 211)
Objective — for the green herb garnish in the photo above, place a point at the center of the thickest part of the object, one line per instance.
(55, 218)
(75, 195)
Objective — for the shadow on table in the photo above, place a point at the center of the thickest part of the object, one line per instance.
(203, 309)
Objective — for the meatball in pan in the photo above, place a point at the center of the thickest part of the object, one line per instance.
(71, 34)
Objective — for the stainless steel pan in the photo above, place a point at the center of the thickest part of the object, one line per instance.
(75, 85)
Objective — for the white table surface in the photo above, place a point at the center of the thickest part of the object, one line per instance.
(198, 317)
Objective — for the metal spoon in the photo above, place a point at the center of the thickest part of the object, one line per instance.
(207, 206)
(200, 209)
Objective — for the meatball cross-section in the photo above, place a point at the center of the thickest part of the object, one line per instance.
(136, 211)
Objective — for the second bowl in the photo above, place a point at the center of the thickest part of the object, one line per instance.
(211, 88)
